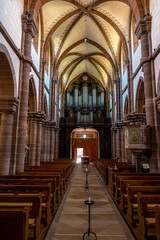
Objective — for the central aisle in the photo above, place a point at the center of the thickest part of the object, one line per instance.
(71, 219)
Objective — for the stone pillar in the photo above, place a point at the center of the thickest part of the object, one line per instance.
(48, 142)
(121, 124)
(54, 99)
(7, 111)
(117, 82)
(32, 139)
(56, 145)
(130, 100)
(30, 29)
(44, 142)
(39, 139)
(52, 141)
(114, 131)
(118, 142)
(143, 31)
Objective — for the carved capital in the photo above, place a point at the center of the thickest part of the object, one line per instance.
(143, 26)
(32, 28)
(9, 105)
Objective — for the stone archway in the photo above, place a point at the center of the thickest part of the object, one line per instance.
(31, 134)
(86, 139)
(140, 97)
(8, 106)
(126, 107)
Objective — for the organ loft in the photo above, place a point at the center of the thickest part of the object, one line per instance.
(79, 119)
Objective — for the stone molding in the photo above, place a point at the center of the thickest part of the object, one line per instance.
(143, 27)
(9, 105)
(34, 116)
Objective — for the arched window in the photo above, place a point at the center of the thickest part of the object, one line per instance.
(36, 39)
(123, 59)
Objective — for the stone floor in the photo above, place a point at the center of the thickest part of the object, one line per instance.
(71, 219)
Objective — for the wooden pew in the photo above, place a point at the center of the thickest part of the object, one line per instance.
(132, 200)
(43, 175)
(31, 189)
(14, 223)
(157, 222)
(33, 201)
(131, 176)
(146, 213)
(121, 196)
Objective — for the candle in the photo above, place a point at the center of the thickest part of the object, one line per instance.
(89, 199)
(86, 169)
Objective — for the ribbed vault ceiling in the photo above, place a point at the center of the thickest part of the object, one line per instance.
(85, 37)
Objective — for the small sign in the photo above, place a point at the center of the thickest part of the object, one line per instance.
(145, 166)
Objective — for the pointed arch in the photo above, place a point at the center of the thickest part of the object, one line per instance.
(45, 106)
(140, 97)
(32, 100)
(8, 84)
(126, 107)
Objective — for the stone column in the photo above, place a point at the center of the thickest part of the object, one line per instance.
(48, 142)
(39, 139)
(44, 141)
(30, 29)
(130, 107)
(117, 82)
(54, 98)
(114, 131)
(56, 144)
(118, 142)
(143, 31)
(121, 124)
(52, 141)
(7, 110)
(32, 139)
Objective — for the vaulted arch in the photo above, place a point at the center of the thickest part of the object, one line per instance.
(140, 97)
(8, 85)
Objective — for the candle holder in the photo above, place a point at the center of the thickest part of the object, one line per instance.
(86, 184)
(89, 232)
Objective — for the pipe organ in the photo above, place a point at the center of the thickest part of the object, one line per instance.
(85, 100)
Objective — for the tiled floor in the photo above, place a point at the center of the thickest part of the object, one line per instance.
(71, 220)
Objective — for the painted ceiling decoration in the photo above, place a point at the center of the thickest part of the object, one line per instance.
(86, 36)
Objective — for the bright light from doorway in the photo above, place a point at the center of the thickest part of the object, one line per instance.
(79, 154)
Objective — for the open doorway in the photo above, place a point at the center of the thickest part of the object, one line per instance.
(79, 154)
(85, 142)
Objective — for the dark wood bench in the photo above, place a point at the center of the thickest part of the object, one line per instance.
(33, 201)
(35, 181)
(132, 200)
(14, 223)
(121, 196)
(43, 175)
(146, 213)
(31, 189)
(157, 222)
